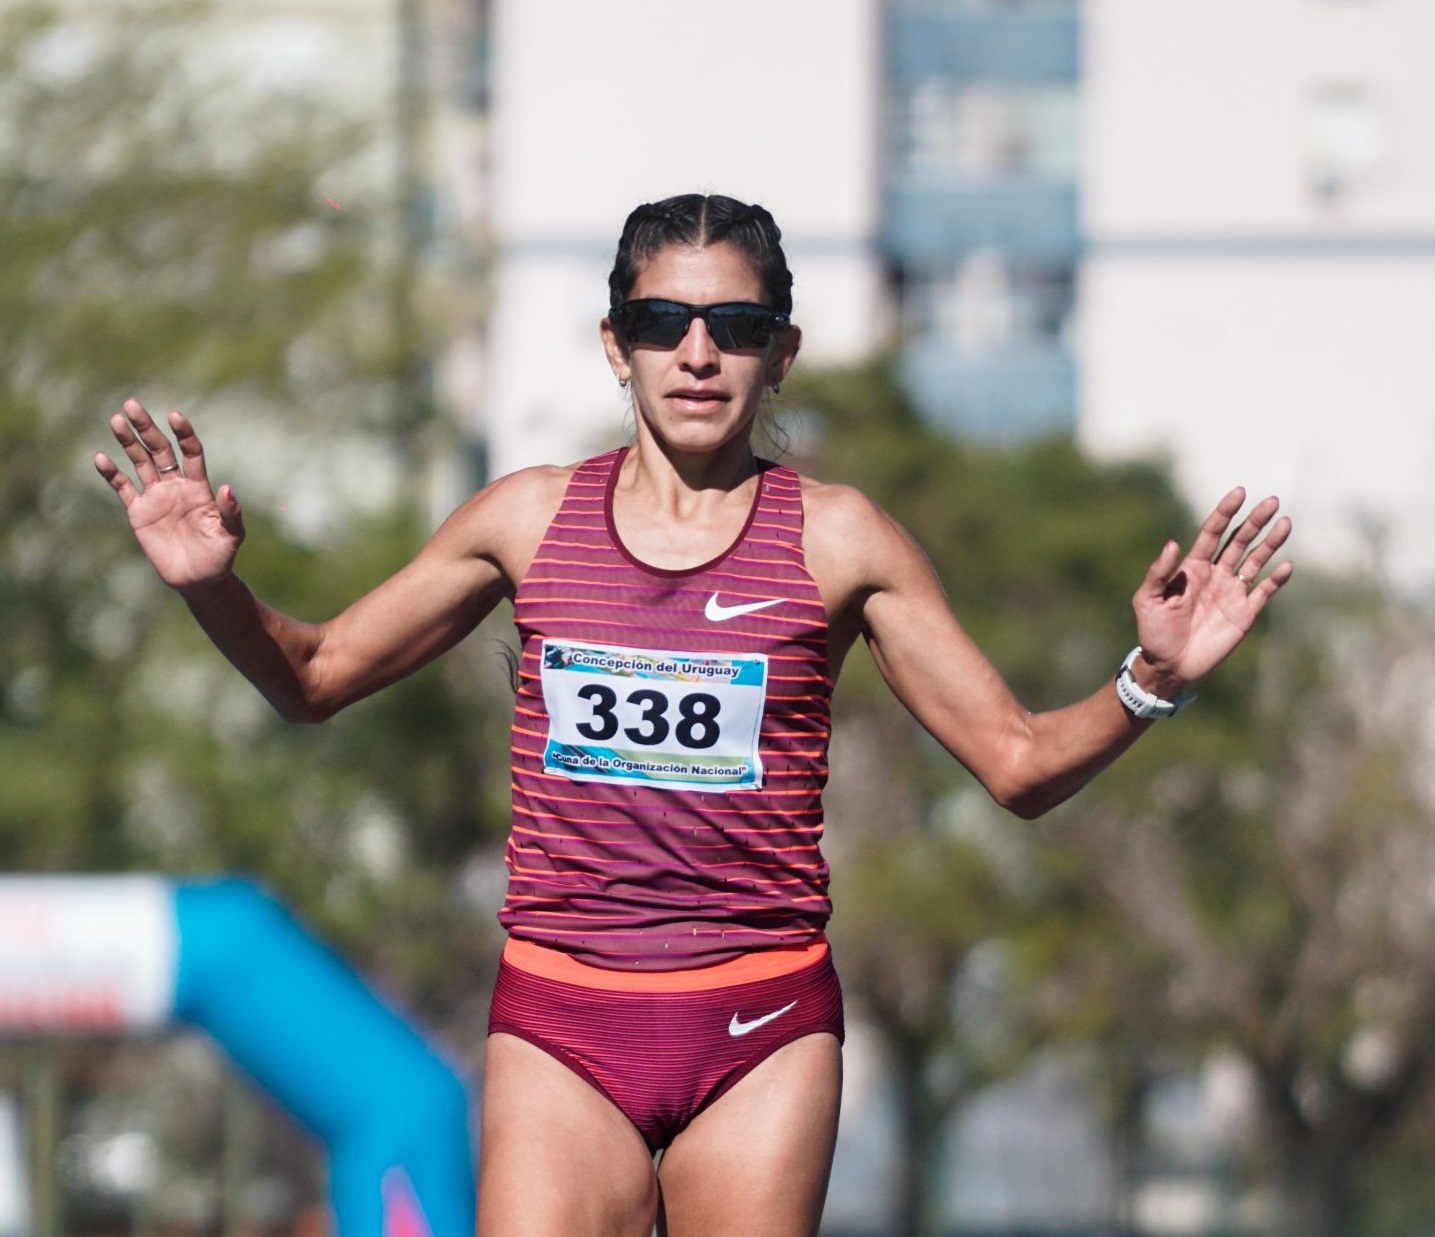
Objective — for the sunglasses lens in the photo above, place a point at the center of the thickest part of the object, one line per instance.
(661, 323)
(740, 326)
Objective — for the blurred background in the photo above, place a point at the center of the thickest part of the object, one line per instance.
(1066, 270)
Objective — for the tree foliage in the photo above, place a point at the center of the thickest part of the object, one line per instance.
(1249, 884)
(167, 232)
(1280, 884)
(167, 235)
(947, 911)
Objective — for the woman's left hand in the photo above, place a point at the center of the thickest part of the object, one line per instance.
(1192, 611)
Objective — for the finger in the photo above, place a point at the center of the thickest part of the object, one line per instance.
(191, 450)
(135, 451)
(1270, 586)
(1264, 550)
(151, 437)
(1235, 550)
(1208, 540)
(117, 478)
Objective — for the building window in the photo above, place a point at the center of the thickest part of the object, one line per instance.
(988, 304)
(985, 130)
(1344, 138)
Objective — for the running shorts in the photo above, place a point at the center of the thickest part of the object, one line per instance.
(663, 1046)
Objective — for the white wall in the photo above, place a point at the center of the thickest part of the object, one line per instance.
(1306, 377)
(1259, 300)
(1204, 117)
(598, 107)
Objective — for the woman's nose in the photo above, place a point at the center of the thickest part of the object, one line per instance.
(696, 349)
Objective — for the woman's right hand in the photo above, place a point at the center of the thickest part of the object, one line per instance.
(189, 532)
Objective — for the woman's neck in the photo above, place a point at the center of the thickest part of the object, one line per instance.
(681, 481)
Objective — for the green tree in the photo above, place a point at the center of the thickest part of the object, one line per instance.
(1277, 875)
(1040, 550)
(1251, 880)
(165, 233)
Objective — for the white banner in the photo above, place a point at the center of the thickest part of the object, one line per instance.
(86, 955)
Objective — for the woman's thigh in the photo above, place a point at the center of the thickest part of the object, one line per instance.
(756, 1163)
(557, 1158)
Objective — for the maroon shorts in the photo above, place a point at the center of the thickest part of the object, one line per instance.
(664, 1046)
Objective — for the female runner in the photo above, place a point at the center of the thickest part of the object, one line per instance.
(684, 609)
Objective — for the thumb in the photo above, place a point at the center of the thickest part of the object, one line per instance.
(1158, 576)
(230, 514)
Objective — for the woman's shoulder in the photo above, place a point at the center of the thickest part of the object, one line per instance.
(521, 496)
(506, 519)
(849, 541)
(539, 484)
(544, 485)
(835, 509)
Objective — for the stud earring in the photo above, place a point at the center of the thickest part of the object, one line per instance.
(777, 388)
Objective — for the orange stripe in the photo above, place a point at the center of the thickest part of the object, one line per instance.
(614, 626)
(762, 964)
(690, 847)
(785, 934)
(571, 621)
(806, 792)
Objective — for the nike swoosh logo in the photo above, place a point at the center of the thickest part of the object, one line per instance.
(716, 612)
(739, 1027)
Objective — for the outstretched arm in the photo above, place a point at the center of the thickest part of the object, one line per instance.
(1191, 612)
(308, 671)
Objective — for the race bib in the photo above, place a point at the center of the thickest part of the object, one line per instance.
(682, 721)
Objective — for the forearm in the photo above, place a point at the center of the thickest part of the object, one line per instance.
(1054, 754)
(274, 652)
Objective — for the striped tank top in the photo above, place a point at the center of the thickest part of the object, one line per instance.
(669, 741)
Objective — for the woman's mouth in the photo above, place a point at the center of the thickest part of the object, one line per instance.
(698, 400)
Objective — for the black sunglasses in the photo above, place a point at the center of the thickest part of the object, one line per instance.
(732, 325)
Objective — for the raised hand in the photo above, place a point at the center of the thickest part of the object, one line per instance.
(1192, 611)
(189, 533)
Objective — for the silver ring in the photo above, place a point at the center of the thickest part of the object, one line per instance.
(168, 468)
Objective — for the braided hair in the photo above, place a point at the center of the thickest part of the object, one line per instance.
(698, 220)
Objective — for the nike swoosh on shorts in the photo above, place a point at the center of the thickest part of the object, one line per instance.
(738, 1027)
(716, 612)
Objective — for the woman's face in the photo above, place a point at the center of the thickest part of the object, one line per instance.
(696, 398)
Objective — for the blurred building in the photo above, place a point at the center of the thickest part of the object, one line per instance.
(979, 222)
(1258, 293)
(922, 159)
(1113, 217)
(598, 107)
(1117, 217)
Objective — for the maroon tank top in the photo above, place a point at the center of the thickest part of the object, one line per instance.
(669, 741)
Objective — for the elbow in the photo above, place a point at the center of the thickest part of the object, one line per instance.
(297, 716)
(305, 698)
(1030, 797)
(1028, 804)
(304, 717)
(1023, 794)
(302, 710)
(1021, 781)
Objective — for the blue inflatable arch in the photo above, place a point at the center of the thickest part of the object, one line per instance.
(228, 958)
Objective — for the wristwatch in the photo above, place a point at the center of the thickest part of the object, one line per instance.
(1141, 703)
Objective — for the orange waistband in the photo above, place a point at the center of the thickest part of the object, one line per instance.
(761, 964)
